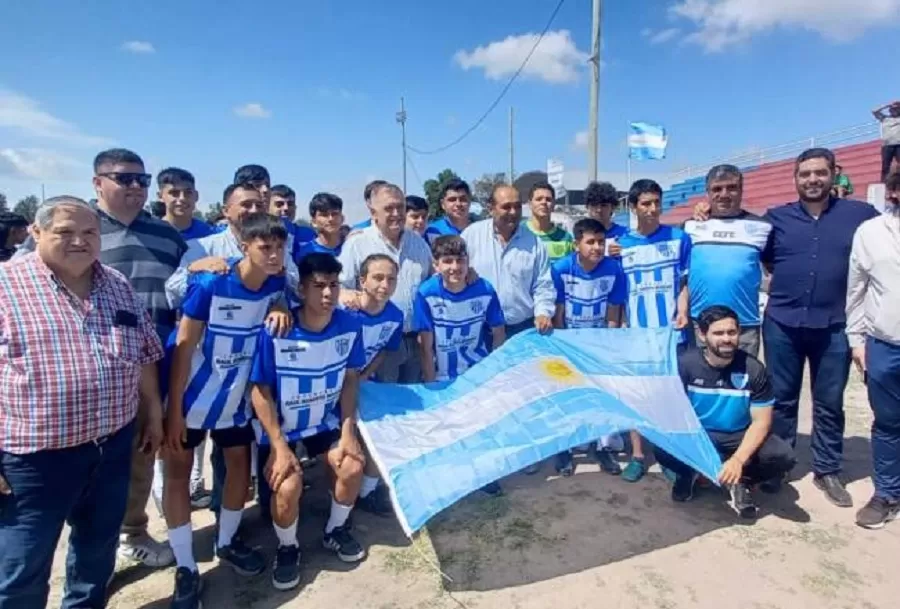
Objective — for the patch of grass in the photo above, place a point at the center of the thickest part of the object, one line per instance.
(821, 539)
(841, 572)
(417, 557)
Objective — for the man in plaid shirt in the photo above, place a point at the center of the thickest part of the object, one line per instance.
(78, 354)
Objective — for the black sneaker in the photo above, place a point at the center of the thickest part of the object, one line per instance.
(834, 490)
(741, 501)
(771, 486)
(877, 513)
(683, 487)
(200, 498)
(286, 570)
(245, 561)
(344, 545)
(188, 587)
(607, 461)
(377, 502)
(565, 466)
(493, 489)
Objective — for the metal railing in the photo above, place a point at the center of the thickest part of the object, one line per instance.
(849, 135)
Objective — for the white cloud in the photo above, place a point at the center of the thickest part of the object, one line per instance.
(556, 60)
(661, 36)
(138, 47)
(339, 93)
(252, 110)
(723, 23)
(581, 140)
(24, 115)
(39, 164)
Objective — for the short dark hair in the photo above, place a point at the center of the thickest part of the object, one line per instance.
(254, 174)
(449, 245)
(587, 226)
(541, 186)
(601, 193)
(414, 203)
(641, 187)
(711, 315)
(324, 202)
(372, 259)
(318, 262)
(284, 191)
(816, 153)
(892, 182)
(367, 191)
(456, 184)
(157, 209)
(116, 156)
(719, 172)
(9, 219)
(260, 225)
(231, 188)
(174, 176)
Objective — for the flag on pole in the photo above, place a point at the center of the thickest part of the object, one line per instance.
(647, 142)
(534, 397)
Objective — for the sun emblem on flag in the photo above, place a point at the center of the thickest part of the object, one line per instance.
(560, 370)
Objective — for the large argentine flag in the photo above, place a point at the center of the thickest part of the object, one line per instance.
(647, 142)
(533, 398)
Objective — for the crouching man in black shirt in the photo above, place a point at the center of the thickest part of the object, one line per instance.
(731, 394)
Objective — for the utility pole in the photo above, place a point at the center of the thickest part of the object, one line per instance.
(512, 146)
(401, 118)
(595, 92)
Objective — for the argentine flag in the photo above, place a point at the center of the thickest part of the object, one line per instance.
(647, 142)
(534, 397)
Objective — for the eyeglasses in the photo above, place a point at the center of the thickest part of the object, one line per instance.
(127, 179)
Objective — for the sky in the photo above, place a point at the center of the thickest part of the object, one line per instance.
(311, 89)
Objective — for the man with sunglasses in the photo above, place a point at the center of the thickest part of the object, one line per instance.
(147, 251)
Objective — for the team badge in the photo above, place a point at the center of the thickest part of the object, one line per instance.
(385, 333)
(342, 346)
(739, 380)
(663, 249)
(477, 306)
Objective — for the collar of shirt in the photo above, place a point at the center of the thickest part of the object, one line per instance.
(99, 279)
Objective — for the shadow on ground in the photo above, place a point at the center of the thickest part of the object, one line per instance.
(857, 464)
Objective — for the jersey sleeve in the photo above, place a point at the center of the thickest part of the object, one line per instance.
(761, 395)
(619, 293)
(422, 320)
(558, 284)
(263, 370)
(394, 341)
(357, 358)
(495, 316)
(684, 254)
(198, 298)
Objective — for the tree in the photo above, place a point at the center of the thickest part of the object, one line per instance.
(213, 213)
(525, 181)
(27, 207)
(433, 192)
(484, 186)
(3, 202)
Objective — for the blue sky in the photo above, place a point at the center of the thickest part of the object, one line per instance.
(310, 89)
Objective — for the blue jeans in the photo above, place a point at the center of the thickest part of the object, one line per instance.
(86, 486)
(883, 384)
(787, 350)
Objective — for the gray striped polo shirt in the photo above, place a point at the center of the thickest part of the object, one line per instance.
(147, 252)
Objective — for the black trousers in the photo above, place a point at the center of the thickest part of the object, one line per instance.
(889, 152)
(773, 459)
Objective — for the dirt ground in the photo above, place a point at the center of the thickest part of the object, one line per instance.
(587, 541)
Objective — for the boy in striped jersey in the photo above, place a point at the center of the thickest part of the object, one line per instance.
(216, 340)
(305, 388)
(655, 259)
(326, 211)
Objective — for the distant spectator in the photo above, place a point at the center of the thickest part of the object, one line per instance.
(13, 231)
(158, 209)
(842, 184)
(890, 135)
(258, 176)
(416, 214)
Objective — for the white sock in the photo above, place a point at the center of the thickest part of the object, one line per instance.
(197, 469)
(369, 484)
(229, 521)
(288, 536)
(158, 480)
(339, 515)
(181, 539)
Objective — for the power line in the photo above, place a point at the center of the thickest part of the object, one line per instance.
(416, 173)
(497, 101)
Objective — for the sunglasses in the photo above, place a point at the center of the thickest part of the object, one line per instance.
(127, 179)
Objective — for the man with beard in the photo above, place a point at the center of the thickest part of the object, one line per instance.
(725, 267)
(456, 199)
(731, 395)
(808, 254)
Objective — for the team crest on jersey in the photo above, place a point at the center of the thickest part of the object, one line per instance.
(605, 284)
(342, 346)
(739, 380)
(664, 249)
(477, 306)
(384, 334)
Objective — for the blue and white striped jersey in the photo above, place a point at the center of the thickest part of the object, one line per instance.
(305, 372)
(301, 250)
(586, 294)
(380, 332)
(215, 397)
(655, 266)
(459, 322)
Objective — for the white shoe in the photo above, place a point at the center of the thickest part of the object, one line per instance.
(146, 550)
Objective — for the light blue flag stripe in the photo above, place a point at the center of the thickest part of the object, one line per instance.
(534, 397)
(647, 142)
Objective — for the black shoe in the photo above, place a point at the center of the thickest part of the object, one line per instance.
(377, 502)
(200, 498)
(286, 570)
(683, 488)
(493, 489)
(607, 461)
(344, 545)
(565, 466)
(741, 501)
(771, 486)
(877, 513)
(188, 587)
(245, 561)
(834, 490)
